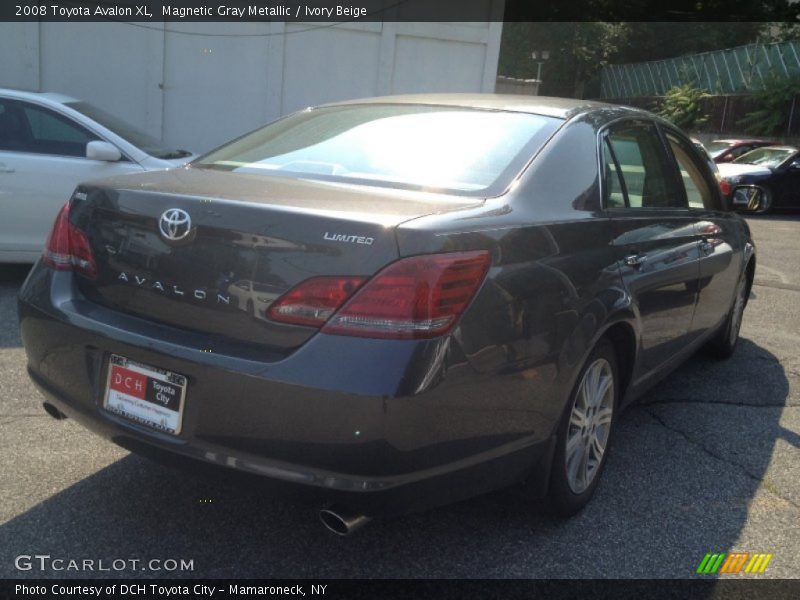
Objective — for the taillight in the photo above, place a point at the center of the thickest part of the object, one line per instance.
(313, 301)
(725, 187)
(67, 247)
(56, 248)
(417, 297)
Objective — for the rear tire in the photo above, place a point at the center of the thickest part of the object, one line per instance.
(585, 432)
(724, 342)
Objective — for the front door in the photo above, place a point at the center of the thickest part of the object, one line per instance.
(654, 239)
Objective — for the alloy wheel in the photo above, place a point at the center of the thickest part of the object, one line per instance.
(589, 425)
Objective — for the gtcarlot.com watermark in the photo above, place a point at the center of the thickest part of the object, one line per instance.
(48, 563)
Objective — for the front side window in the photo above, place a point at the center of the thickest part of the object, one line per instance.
(440, 148)
(29, 128)
(51, 133)
(615, 194)
(14, 133)
(647, 177)
(698, 193)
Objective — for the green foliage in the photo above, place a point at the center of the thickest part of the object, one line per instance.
(774, 100)
(683, 105)
(780, 32)
(578, 50)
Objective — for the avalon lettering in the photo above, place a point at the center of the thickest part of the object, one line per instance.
(199, 294)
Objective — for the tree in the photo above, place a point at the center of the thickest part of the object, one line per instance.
(580, 49)
(774, 100)
(683, 106)
(577, 51)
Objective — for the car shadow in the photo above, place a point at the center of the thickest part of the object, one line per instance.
(778, 215)
(685, 475)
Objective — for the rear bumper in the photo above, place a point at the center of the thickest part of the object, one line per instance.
(383, 426)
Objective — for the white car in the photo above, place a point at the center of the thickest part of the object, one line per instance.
(48, 144)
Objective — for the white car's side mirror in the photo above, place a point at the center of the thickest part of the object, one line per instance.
(103, 151)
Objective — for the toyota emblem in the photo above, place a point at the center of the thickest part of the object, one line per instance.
(175, 224)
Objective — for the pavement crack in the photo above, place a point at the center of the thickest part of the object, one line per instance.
(25, 415)
(717, 402)
(777, 285)
(724, 459)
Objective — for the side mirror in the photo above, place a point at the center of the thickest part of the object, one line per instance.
(794, 166)
(103, 151)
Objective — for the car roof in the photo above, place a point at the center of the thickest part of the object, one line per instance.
(776, 147)
(25, 95)
(562, 108)
(742, 141)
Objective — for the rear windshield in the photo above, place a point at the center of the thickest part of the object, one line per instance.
(443, 149)
(717, 147)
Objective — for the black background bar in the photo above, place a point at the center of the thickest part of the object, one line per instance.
(399, 10)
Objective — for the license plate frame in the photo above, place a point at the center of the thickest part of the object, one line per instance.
(144, 394)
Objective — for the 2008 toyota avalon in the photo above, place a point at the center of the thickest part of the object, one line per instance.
(396, 302)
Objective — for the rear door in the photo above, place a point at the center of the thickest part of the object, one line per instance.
(654, 237)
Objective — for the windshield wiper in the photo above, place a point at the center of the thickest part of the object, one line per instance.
(175, 154)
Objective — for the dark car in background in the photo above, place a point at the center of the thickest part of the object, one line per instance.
(723, 151)
(464, 293)
(763, 179)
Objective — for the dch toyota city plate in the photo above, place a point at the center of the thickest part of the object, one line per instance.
(145, 394)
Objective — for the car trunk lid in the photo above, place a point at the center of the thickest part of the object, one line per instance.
(252, 239)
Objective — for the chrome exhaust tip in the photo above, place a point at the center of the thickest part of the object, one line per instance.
(342, 522)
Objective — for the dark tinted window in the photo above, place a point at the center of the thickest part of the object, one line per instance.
(29, 128)
(14, 133)
(615, 195)
(698, 192)
(649, 177)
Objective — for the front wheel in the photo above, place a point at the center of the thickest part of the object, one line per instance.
(585, 433)
(755, 199)
(723, 344)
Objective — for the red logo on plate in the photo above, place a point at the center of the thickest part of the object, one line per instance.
(128, 382)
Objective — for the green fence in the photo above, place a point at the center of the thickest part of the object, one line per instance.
(729, 71)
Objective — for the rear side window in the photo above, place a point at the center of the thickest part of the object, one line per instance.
(639, 170)
(698, 193)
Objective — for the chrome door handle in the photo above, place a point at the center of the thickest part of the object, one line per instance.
(5, 169)
(707, 247)
(635, 260)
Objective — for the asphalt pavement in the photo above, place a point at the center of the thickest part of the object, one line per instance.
(709, 461)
